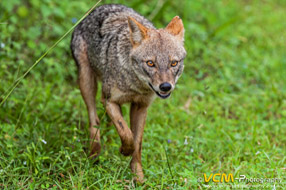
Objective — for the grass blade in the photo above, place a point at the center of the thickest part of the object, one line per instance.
(46, 53)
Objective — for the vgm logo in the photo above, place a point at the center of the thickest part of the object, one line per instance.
(218, 177)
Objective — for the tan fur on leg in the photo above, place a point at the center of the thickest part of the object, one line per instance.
(122, 128)
(138, 115)
(88, 88)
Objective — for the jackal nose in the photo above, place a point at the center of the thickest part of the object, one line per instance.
(165, 86)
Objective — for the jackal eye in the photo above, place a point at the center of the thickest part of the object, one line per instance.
(174, 63)
(150, 63)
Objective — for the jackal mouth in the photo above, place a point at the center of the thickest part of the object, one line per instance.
(162, 95)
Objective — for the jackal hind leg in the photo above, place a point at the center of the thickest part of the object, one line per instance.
(88, 88)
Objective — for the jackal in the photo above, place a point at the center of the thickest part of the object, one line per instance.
(134, 61)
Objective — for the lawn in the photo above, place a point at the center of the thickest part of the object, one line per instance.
(227, 114)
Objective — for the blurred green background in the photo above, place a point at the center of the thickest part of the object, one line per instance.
(227, 114)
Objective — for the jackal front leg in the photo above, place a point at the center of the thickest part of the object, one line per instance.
(122, 128)
(138, 115)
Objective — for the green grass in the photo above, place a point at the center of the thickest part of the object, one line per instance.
(227, 114)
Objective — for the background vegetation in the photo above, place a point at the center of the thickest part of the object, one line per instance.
(227, 114)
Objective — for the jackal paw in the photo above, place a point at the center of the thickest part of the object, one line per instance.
(139, 177)
(95, 150)
(127, 150)
(137, 170)
(139, 180)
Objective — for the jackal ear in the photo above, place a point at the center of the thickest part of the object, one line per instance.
(176, 27)
(138, 32)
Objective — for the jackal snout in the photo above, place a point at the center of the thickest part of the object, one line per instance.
(165, 87)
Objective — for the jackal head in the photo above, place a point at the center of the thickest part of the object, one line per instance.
(157, 55)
